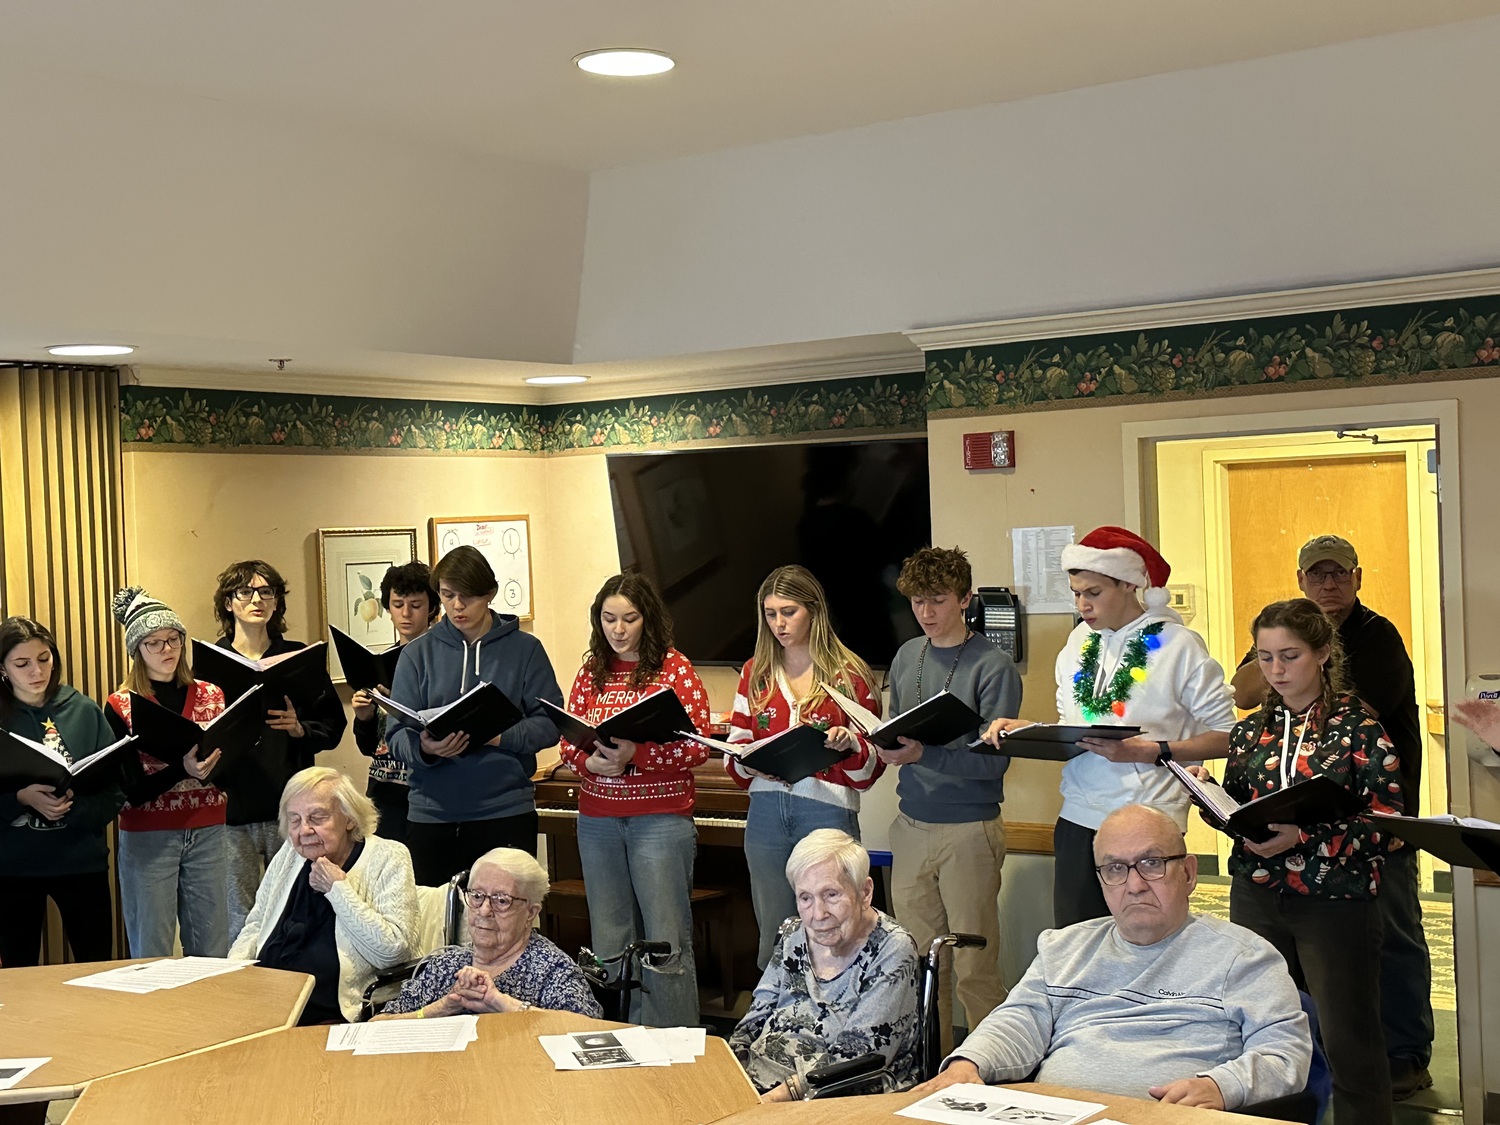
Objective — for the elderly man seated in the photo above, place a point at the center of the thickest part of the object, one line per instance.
(1150, 1001)
(337, 902)
(508, 966)
(841, 981)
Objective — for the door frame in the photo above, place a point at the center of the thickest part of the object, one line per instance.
(1139, 440)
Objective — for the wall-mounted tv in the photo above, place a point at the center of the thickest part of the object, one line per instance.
(708, 526)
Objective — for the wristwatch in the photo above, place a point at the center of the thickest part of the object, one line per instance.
(1166, 753)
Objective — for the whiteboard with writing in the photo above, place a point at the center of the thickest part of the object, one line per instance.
(505, 541)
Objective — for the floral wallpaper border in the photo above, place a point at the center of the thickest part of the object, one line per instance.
(179, 417)
(1384, 343)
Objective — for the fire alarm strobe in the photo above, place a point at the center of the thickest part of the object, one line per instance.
(995, 450)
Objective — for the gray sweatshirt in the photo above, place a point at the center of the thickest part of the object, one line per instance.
(1098, 1013)
(952, 784)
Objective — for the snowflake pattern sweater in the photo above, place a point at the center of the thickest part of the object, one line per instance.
(188, 803)
(840, 784)
(659, 779)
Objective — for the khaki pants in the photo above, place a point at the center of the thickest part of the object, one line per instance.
(945, 878)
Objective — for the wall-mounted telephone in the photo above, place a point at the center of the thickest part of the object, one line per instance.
(996, 613)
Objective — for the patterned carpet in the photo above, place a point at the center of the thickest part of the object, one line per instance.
(1437, 920)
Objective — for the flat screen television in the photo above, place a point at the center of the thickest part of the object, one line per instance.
(708, 526)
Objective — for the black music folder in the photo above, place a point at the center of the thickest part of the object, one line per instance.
(364, 668)
(1460, 841)
(1051, 742)
(936, 721)
(281, 676)
(482, 712)
(660, 717)
(24, 762)
(233, 730)
(794, 754)
(1314, 800)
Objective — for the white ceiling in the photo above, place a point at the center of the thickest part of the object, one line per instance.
(496, 75)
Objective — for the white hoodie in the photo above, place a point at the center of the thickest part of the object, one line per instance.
(1184, 694)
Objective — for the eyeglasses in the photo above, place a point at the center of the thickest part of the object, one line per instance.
(1150, 868)
(499, 903)
(1338, 577)
(249, 593)
(158, 645)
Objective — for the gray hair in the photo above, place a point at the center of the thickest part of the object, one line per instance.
(824, 845)
(530, 876)
(355, 805)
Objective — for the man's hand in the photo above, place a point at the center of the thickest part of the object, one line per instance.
(1137, 749)
(450, 747)
(285, 719)
(1003, 726)
(958, 1071)
(1201, 1092)
(911, 751)
(1287, 836)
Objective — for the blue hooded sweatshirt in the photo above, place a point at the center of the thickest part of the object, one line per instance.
(484, 782)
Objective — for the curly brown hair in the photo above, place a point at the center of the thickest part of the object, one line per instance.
(1303, 619)
(936, 570)
(239, 574)
(656, 629)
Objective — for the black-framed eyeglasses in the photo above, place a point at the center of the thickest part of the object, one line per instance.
(499, 903)
(249, 593)
(1337, 577)
(1149, 867)
(157, 645)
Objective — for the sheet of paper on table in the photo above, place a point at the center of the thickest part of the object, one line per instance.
(151, 976)
(625, 1046)
(969, 1104)
(13, 1071)
(405, 1037)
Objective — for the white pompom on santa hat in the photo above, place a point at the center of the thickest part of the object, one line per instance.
(1123, 555)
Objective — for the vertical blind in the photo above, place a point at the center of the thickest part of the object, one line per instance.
(62, 552)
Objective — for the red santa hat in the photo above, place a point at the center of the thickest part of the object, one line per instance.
(1124, 555)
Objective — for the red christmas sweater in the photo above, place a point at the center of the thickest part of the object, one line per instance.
(659, 778)
(840, 784)
(189, 803)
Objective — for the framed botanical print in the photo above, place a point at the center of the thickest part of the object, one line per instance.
(352, 562)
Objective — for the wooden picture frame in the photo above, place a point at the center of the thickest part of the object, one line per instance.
(352, 561)
(505, 541)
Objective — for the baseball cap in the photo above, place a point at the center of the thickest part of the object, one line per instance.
(1327, 548)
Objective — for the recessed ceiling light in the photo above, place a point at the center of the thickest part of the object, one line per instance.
(91, 349)
(624, 62)
(555, 380)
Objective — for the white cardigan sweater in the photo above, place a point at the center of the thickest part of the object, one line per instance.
(375, 915)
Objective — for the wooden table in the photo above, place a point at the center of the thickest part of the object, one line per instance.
(505, 1075)
(91, 1033)
(868, 1111)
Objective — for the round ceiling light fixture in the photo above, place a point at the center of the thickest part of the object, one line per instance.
(91, 349)
(624, 62)
(555, 380)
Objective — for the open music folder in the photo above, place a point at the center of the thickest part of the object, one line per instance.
(1051, 742)
(1461, 841)
(24, 762)
(363, 667)
(482, 712)
(281, 676)
(794, 754)
(233, 730)
(936, 721)
(1314, 800)
(659, 717)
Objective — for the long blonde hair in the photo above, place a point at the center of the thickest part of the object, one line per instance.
(833, 662)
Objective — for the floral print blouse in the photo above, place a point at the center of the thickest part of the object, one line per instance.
(543, 975)
(1343, 743)
(797, 1023)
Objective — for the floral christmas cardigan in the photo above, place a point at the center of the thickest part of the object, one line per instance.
(1347, 745)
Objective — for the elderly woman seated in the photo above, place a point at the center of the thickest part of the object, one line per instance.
(840, 984)
(508, 966)
(337, 902)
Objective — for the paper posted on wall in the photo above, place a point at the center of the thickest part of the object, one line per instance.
(1036, 561)
(969, 1104)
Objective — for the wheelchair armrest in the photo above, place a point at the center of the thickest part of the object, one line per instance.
(848, 1076)
(379, 990)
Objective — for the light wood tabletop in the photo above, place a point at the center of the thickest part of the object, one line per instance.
(881, 1110)
(504, 1075)
(90, 1033)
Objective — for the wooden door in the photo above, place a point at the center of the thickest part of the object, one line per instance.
(1276, 506)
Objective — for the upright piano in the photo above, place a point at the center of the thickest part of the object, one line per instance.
(720, 865)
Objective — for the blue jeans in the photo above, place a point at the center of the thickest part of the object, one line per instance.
(638, 875)
(1405, 966)
(774, 826)
(172, 877)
